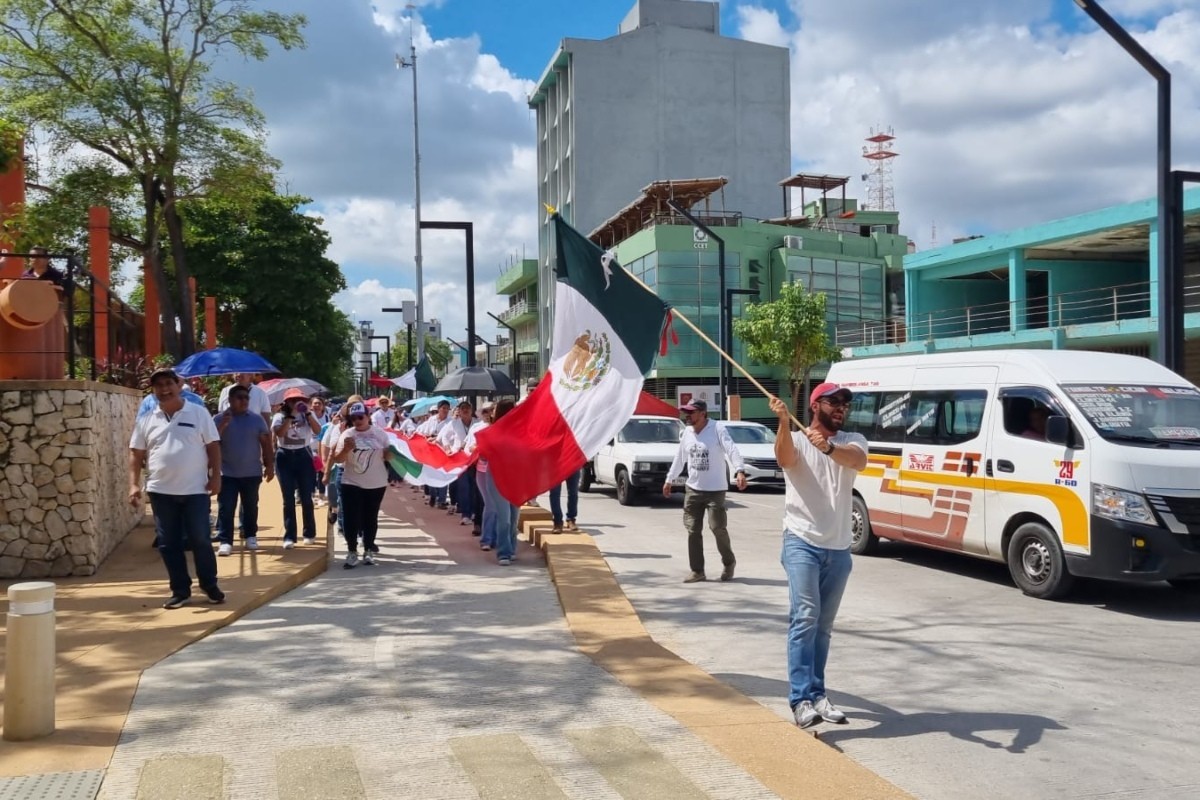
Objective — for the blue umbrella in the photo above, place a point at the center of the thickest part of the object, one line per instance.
(151, 402)
(223, 361)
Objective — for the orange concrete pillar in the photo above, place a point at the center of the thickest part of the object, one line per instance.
(98, 220)
(12, 200)
(210, 322)
(192, 311)
(153, 320)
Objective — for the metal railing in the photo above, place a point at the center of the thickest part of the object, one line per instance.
(517, 309)
(1087, 306)
(86, 302)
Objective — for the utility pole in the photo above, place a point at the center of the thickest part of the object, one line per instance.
(411, 63)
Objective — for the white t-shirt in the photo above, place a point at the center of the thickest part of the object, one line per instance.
(176, 454)
(299, 434)
(481, 464)
(365, 466)
(383, 418)
(408, 427)
(704, 454)
(433, 426)
(818, 493)
(453, 437)
(259, 404)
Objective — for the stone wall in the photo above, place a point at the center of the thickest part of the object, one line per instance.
(64, 471)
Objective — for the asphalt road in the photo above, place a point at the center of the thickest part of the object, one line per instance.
(958, 686)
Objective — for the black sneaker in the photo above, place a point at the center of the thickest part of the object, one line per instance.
(176, 602)
(215, 596)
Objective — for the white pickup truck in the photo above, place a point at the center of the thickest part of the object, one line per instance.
(637, 459)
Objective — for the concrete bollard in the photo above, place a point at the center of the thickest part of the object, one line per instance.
(29, 662)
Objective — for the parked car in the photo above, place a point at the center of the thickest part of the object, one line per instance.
(756, 443)
(637, 458)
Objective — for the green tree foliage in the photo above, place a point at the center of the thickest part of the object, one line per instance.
(130, 80)
(264, 260)
(56, 216)
(438, 351)
(789, 332)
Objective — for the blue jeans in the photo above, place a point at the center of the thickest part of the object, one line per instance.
(335, 497)
(490, 515)
(572, 500)
(180, 519)
(816, 581)
(231, 490)
(464, 494)
(294, 469)
(506, 519)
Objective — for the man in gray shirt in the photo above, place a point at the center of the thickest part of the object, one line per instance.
(245, 460)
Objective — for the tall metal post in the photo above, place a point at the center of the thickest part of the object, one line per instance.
(412, 63)
(1170, 211)
(722, 382)
(467, 228)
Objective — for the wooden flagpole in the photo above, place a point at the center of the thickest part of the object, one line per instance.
(675, 313)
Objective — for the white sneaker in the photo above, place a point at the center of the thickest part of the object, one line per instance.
(351, 560)
(251, 542)
(225, 550)
(829, 712)
(310, 540)
(805, 715)
(288, 544)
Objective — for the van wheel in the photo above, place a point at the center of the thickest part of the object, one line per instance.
(1188, 585)
(586, 478)
(862, 541)
(625, 491)
(1036, 563)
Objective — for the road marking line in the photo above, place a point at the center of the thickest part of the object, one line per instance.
(318, 773)
(633, 768)
(182, 778)
(501, 766)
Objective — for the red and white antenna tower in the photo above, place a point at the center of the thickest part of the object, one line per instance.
(881, 193)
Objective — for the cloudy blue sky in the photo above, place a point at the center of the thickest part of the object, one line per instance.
(1006, 112)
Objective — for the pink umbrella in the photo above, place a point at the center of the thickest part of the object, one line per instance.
(277, 387)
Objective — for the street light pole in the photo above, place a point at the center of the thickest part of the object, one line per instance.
(411, 63)
(467, 228)
(1170, 211)
(721, 330)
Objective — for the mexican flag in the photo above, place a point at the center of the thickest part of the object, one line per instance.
(422, 463)
(607, 330)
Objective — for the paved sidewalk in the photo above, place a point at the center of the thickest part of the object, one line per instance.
(111, 626)
(435, 674)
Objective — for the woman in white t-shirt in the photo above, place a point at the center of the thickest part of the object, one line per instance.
(362, 450)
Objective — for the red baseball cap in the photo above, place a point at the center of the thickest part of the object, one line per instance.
(829, 390)
(294, 394)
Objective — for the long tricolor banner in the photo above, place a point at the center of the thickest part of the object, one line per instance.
(422, 463)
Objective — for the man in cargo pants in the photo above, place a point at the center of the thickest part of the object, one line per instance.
(703, 448)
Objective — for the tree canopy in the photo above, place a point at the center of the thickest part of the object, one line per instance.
(131, 80)
(264, 260)
(789, 332)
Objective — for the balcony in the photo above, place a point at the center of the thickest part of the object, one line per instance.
(518, 277)
(504, 353)
(1088, 313)
(518, 313)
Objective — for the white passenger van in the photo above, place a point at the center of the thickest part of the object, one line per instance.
(1059, 463)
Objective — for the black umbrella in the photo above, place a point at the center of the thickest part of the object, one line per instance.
(477, 380)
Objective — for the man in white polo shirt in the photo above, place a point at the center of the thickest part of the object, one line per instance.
(259, 402)
(178, 446)
(700, 448)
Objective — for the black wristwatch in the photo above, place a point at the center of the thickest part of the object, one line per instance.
(828, 451)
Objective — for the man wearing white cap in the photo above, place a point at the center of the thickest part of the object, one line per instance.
(819, 467)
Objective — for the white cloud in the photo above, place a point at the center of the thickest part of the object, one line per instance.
(756, 24)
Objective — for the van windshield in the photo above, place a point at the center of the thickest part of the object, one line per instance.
(640, 431)
(750, 434)
(1140, 414)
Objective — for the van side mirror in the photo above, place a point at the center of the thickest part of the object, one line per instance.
(1058, 430)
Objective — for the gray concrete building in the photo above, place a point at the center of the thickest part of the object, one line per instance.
(666, 98)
